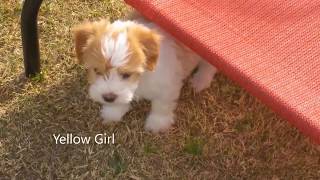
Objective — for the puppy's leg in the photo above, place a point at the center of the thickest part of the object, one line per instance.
(203, 77)
(113, 113)
(161, 116)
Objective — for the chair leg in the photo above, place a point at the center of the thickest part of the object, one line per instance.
(29, 34)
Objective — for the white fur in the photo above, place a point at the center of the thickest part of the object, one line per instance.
(203, 77)
(161, 86)
(113, 113)
(116, 50)
(161, 116)
(112, 83)
(121, 24)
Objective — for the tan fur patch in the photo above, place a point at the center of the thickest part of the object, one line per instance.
(86, 33)
(149, 43)
(87, 37)
(136, 62)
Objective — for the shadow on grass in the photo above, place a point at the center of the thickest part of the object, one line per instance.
(10, 88)
(28, 147)
(252, 147)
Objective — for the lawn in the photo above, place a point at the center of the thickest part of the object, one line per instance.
(221, 133)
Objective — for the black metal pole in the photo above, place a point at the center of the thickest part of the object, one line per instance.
(29, 32)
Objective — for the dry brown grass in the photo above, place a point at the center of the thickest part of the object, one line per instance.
(222, 133)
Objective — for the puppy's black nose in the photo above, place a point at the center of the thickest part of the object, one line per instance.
(109, 97)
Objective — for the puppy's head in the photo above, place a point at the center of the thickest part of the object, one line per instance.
(115, 55)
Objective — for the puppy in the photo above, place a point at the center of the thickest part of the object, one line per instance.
(133, 59)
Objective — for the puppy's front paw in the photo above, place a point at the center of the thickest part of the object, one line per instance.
(113, 113)
(110, 116)
(159, 122)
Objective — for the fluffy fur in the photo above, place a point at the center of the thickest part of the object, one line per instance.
(135, 59)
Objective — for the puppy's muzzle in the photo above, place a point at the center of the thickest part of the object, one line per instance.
(109, 97)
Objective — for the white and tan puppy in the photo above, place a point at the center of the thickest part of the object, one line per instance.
(135, 59)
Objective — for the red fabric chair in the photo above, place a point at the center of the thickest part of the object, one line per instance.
(271, 48)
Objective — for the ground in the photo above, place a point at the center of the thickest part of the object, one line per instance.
(221, 133)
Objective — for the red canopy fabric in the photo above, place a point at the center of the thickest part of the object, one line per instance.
(271, 48)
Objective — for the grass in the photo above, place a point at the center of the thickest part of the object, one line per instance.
(221, 133)
(117, 163)
(193, 146)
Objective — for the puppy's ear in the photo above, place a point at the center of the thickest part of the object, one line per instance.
(83, 33)
(150, 42)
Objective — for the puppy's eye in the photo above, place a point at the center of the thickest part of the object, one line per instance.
(97, 71)
(125, 75)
